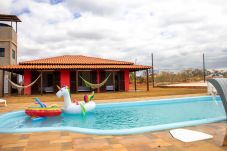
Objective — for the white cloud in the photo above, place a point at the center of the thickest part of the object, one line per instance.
(5, 6)
(176, 31)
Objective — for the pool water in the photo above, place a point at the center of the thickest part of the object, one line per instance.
(124, 118)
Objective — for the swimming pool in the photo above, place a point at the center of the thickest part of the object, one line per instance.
(124, 118)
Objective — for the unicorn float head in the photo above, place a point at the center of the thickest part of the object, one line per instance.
(65, 92)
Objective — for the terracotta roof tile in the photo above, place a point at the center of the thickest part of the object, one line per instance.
(74, 59)
(77, 62)
(73, 67)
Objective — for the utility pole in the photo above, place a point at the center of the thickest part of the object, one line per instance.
(152, 69)
(147, 73)
(135, 78)
(204, 70)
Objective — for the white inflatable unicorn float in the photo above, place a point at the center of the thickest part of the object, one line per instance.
(77, 106)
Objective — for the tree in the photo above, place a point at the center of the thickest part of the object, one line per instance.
(131, 76)
(141, 79)
(225, 75)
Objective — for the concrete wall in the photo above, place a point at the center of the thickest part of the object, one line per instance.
(8, 33)
(126, 79)
(27, 81)
(65, 78)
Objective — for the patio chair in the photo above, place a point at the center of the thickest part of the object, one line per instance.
(109, 88)
(48, 89)
(3, 101)
(83, 89)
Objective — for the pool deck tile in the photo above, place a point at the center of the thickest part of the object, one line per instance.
(158, 141)
(70, 141)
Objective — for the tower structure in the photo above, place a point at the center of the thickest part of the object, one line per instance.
(8, 48)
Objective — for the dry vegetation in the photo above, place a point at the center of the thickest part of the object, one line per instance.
(183, 76)
(111, 95)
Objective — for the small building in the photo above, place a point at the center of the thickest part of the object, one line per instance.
(8, 46)
(70, 69)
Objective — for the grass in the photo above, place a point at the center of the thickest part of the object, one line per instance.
(154, 92)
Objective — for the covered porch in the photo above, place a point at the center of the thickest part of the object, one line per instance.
(117, 81)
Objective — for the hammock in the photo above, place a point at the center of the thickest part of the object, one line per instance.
(20, 87)
(95, 86)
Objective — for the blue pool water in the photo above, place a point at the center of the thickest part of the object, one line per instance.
(124, 118)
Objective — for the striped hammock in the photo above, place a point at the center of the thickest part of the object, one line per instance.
(95, 86)
(25, 86)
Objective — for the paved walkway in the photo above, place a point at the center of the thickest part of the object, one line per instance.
(68, 141)
(201, 84)
(186, 85)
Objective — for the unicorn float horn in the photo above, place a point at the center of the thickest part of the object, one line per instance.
(58, 87)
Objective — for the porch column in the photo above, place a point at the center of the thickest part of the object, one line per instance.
(126, 79)
(65, 78)
(114, 81)
(135, 80)
(41, 83)
(9, 86)
(27, 81)
(76, 80)
(3, 80)
(98, 80)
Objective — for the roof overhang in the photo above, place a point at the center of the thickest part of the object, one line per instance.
(74, 62)
(74, 67)
(13, 18)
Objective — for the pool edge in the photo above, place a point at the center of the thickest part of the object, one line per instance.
(114, 132)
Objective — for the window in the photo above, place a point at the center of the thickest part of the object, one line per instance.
(13, 54)
(2, 52)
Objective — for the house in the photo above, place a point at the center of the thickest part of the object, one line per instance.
(69, 70)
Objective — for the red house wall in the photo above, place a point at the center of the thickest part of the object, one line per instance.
(126, 77)
(65, 78)
(27, 80)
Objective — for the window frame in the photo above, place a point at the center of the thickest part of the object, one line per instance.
(13, 54)
(2, 52)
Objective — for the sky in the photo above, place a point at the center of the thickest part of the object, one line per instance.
(177, 32)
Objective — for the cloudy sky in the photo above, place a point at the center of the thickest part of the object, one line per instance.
(178, 32)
